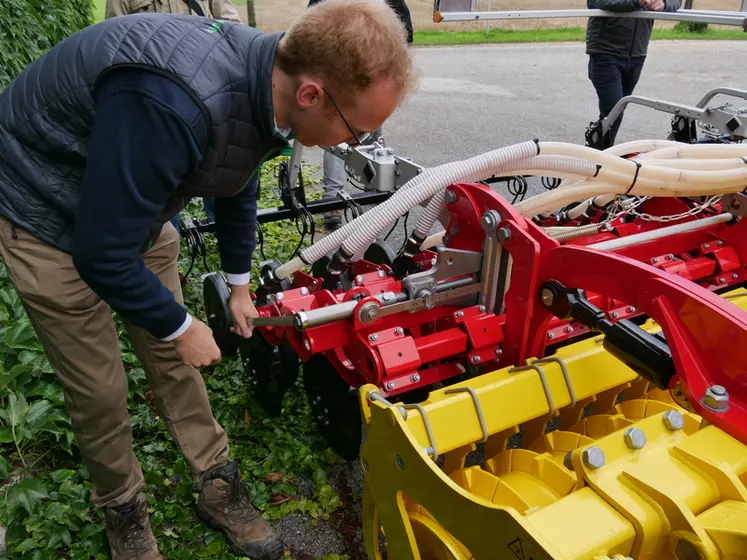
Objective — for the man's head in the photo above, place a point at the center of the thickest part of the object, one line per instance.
(340, 71)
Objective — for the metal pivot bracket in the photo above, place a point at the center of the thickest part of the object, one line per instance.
(494, 259)
(450, 263)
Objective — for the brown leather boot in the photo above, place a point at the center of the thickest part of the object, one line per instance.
(129, 533)
(225, 505)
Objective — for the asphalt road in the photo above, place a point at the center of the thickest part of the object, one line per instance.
(473, 99)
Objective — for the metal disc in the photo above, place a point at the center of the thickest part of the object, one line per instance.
(334, 406)
(270, 370)
(215, 295)
(380, 252)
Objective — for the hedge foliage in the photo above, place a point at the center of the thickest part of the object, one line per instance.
(28, 28)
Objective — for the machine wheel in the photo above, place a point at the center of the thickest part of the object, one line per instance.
(215, 295)
(334, 405)
(270, 370)
(380, 252)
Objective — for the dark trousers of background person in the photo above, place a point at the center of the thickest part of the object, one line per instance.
(614, 77)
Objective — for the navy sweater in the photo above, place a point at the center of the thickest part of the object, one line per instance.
(147, 135)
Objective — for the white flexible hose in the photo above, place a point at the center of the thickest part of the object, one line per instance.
(660, 176)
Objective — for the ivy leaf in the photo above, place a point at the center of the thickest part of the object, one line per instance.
(61, 475)
(25, 546)
(38, 414)
(19, 335)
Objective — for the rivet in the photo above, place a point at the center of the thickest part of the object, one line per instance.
(654, 260)
(615, 314)
(550, 335)
(498, 351)
(568, 329)
(734, 275)
(631, 309)
(722, 280)
(382, 274)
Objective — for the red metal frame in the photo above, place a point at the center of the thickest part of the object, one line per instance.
(671, 280)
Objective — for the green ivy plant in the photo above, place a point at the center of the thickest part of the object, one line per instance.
(44, 485)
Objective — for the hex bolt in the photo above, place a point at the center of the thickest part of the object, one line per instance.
(399, 331)
(550, 335)
(716, 398)
(400, 462)
(654, 260)
(482, 308)
(734, 275)
(615, 314)
(498, 352)
(415, 378)
(475, 359)
(635, 438)
(504, 234)
(488, 222)
(593, 457)
(673, 420)
(547, 297)
(359, 279)
(304, 291)
(454, 230)
(722, 280)
(460, 314)
(280, 296)
(382, 274)
(719, 243)
(707, 246)
(450, 196)
(568, 461)
(374, 337)
(631, 309)
(568, 329)
(389, 385)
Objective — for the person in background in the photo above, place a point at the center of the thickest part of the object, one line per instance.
(334, 175)
(617, 49)
(218, 9)
(105, 137)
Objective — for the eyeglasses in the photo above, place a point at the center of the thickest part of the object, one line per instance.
(358, 139)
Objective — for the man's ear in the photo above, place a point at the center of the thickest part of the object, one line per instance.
(308, 94)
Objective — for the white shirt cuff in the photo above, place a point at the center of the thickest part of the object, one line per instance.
(238, 279)
(180, 331)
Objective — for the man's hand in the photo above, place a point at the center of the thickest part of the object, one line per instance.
(656, 5)
(242, 309)
(196, 346)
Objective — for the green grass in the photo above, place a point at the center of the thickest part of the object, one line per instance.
(562, 34)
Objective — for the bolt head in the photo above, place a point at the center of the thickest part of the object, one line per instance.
(498, 352)
(567, 461)
(734, 275)
(488, 222)
(374, 337)
(707, 246)
(716, 398)
(482, 308)
(450, 196)
(504, 234)
(280, 296)
(654, 260)
(475, 359)
(359, 279)
(399, 331)
(568, 329)
(673, 420)
(415, 378)
(304, 291)
(550, 335)
(719, 243)
(615, 314)
(382, 274)
(722, 280)
(593, 457)
(631, 309)
(547, 297)
(460, 314)
(635, 438)
(389, 385)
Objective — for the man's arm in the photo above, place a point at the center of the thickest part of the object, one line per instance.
(619, 6)
(235, 231)
(147, 134)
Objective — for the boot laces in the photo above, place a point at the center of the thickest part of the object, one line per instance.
(237, 500)
(132, 521)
